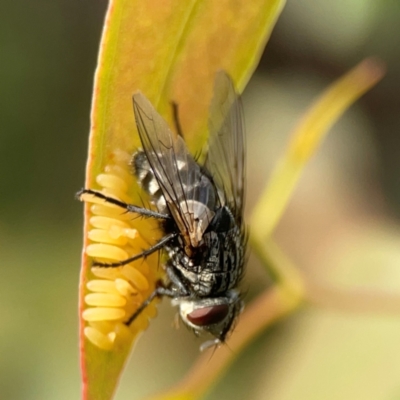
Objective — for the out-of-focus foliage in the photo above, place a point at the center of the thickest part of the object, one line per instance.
(341, 225)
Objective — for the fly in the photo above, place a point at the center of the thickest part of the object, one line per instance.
(200, 209)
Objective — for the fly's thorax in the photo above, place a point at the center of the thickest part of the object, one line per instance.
(213, 315)
(214, 267)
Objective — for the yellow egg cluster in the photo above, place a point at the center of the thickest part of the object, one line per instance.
(114, 294)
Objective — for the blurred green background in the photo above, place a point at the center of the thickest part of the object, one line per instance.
(342, 225)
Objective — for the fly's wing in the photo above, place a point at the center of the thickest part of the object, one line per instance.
(189, 193)
(226, 147)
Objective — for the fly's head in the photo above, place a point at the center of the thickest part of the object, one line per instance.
(215, 315)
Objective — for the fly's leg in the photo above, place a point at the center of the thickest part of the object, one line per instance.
(158, 292)
(143, 254)
(176, 288)
(127, 207)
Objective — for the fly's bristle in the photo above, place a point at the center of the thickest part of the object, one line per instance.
(114, 294)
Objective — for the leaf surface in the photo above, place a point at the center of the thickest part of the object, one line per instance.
(170, 50)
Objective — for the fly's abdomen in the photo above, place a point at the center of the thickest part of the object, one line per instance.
(147, 180)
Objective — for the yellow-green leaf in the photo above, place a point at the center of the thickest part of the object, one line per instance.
(170, 50)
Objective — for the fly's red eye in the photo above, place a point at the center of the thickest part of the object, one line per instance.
(208, 315)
